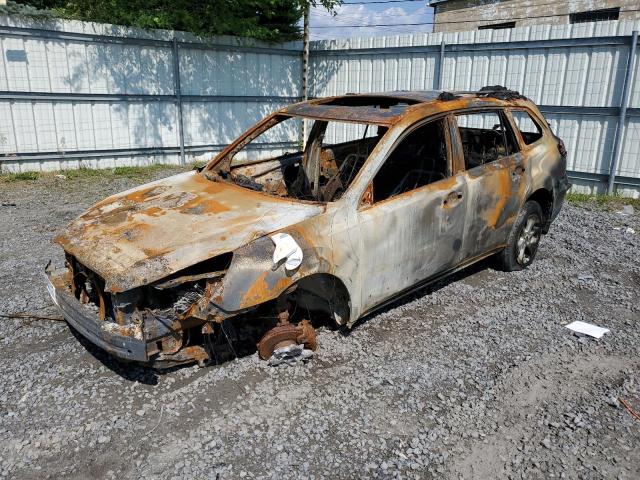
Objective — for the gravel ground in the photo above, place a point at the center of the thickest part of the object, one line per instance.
(475, 378)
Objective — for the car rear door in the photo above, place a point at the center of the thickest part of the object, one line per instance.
(412, 216)
(494, 175)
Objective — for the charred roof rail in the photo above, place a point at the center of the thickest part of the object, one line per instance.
(500, 92)
(489, 91)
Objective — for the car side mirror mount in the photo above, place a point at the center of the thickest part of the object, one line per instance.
(367, 197)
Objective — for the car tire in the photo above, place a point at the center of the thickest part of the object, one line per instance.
(524, 238)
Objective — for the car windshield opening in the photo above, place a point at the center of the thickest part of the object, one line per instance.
(273, 159)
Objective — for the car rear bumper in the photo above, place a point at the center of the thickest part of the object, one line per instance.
(91, 327)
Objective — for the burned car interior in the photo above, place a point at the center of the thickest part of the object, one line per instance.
(321, 172)
(179, 270)
(334, 153)
(419, 159)
(481, 144)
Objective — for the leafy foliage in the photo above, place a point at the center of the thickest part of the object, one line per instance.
(268, 20)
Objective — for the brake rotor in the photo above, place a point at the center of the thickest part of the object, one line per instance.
(282, 341)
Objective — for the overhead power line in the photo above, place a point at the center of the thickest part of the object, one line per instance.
(452, 21)
(317, 11)
(353, 15)
(381, 1)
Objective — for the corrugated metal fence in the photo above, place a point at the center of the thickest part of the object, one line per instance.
(575, 73)
(82, 94)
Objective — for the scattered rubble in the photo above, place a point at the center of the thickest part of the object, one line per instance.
(474, 379)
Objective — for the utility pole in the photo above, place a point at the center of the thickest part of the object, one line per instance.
(305, 67)
(305, 54)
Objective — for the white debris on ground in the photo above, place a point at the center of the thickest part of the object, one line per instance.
(626, 210)
(587, 329)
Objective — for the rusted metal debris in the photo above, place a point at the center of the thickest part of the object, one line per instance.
(626, 405)
(152, 273)
(31, 316)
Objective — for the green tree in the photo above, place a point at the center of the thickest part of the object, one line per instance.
(269, 20)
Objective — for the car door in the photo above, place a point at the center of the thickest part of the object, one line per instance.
(412, 215)
(494, 173)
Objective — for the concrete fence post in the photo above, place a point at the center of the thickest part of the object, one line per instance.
(626, 91)
(441, 66)
(178, 95)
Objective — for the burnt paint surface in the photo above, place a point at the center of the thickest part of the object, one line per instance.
(148, 233)
(409, 237)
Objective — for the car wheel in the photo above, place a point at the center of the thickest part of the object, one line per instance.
(524, 238)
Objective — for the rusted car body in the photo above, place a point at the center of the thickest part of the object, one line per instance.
(153, 272)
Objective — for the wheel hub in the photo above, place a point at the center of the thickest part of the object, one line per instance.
(528, 240)
(288, 343)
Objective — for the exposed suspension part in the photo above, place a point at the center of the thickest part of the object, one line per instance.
(287, 342)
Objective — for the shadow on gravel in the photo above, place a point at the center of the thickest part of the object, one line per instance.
(240, 335)
(427, 289)
(129, 371)
(237, 338)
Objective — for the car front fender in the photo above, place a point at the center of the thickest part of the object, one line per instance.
(253, 279)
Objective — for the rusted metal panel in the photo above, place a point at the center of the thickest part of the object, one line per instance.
(194, 250)
(147, 233)
(347, 114)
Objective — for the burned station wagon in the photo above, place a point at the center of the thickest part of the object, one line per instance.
(387, 192)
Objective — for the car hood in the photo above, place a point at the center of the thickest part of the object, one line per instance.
(147, 233)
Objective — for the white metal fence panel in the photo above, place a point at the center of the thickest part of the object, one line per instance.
(584, 67)
(83, 94)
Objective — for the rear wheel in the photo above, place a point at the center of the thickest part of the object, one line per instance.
(524, 238)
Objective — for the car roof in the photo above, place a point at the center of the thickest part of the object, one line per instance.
(387, 108)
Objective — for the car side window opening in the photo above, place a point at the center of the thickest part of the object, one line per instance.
(419, 159)
(529, 129)
(485, 137)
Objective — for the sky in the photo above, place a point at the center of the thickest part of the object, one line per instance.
(367, 12)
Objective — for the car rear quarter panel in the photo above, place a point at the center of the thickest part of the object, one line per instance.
(543, 160)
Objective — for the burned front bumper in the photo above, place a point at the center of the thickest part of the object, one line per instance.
(91, 327)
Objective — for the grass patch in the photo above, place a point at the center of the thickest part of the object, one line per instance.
(135, 172)
(127, 172)
(84, 173)
(605, 201)
(18, 177)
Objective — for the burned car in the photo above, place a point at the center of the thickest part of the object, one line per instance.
(386, 193)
